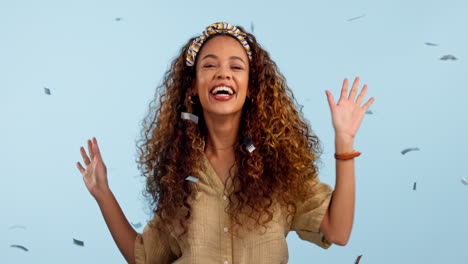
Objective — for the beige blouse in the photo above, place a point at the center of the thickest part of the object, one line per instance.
(208, 240)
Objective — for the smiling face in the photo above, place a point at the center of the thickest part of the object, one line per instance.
(222, 76)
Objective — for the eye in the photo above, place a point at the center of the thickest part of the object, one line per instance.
(208, 66)
(237, 67)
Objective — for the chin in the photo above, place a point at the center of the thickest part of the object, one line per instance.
(224, 112)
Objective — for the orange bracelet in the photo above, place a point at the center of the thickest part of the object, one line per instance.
(348, 155)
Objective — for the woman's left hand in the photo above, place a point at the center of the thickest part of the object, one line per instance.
(348, 113)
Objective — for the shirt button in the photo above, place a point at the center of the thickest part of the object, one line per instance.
(224, 197)
(225, 229)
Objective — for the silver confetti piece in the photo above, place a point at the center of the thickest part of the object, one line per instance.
(354, 18)
(464, 181)
(448, 57)
(20, 247)
(358, 259)
(17, 227)
(191, 178)
(78, 242)
(248, 143)
(189, 116)
(136, 225)
(403, 152)
(47, 90)
(369, 112)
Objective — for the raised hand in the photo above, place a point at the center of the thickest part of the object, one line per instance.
(95, 174)
(348, 113)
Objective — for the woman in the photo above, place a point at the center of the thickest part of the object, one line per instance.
(230, 161)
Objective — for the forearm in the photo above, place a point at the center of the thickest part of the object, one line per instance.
(122, 232)
(343, 198)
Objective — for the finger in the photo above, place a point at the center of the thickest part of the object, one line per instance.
(361, 95)
(331, 100)
(85, 156)
(80, 168)
(368, 103)
(353, 92)
(90, 149)
(96, 148)
(344, 90)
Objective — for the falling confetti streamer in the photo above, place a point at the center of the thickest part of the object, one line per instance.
(354, 18)
(191, 178)
(20, 247)
(137, 225)
(189, 116)
(118, 19)
(78, 242)
(414, 186)
(448, 57)
(431, 44)
(403, 152)
(369, 112)
(464, 181)
(358, 259)
(252, 27)
(46, 90)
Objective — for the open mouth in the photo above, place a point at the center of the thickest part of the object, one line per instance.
(220, 90)
(222, 93)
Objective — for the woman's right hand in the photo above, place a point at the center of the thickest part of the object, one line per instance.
(95, 174)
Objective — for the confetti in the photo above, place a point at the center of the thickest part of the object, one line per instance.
(414, 186)
(448, 57)
(369, 112)
(354, 18)
(358, 259)
(17, 227)
(248, 143)
(189, 116)
(431, 44)
(118, 18)
(252, 27)
(191, 178)
(20, 247)
(137, 225)
(464, 181)
(46, 90)
(78, 242)
(403, 152)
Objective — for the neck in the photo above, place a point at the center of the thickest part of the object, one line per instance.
(222, 134)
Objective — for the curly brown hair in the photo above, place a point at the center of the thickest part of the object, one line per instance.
(285, 157)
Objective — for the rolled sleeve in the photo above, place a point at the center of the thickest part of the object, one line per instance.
(310, 213)
(152, 246)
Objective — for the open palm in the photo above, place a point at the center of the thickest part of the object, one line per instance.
(348, 113)
(95, 173)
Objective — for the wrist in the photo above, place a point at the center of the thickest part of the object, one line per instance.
(102, 196)
(344, 143)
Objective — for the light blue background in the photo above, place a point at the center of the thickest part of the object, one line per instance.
(102, 73)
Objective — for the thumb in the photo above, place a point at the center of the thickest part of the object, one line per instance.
(331, 101)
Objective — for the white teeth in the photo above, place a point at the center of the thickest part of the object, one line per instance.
(222, 88)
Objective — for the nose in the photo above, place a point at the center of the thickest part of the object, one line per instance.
(223, 73)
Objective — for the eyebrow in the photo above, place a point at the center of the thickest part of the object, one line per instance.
(216, 57)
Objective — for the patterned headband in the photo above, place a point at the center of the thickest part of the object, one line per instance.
(216, 28)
